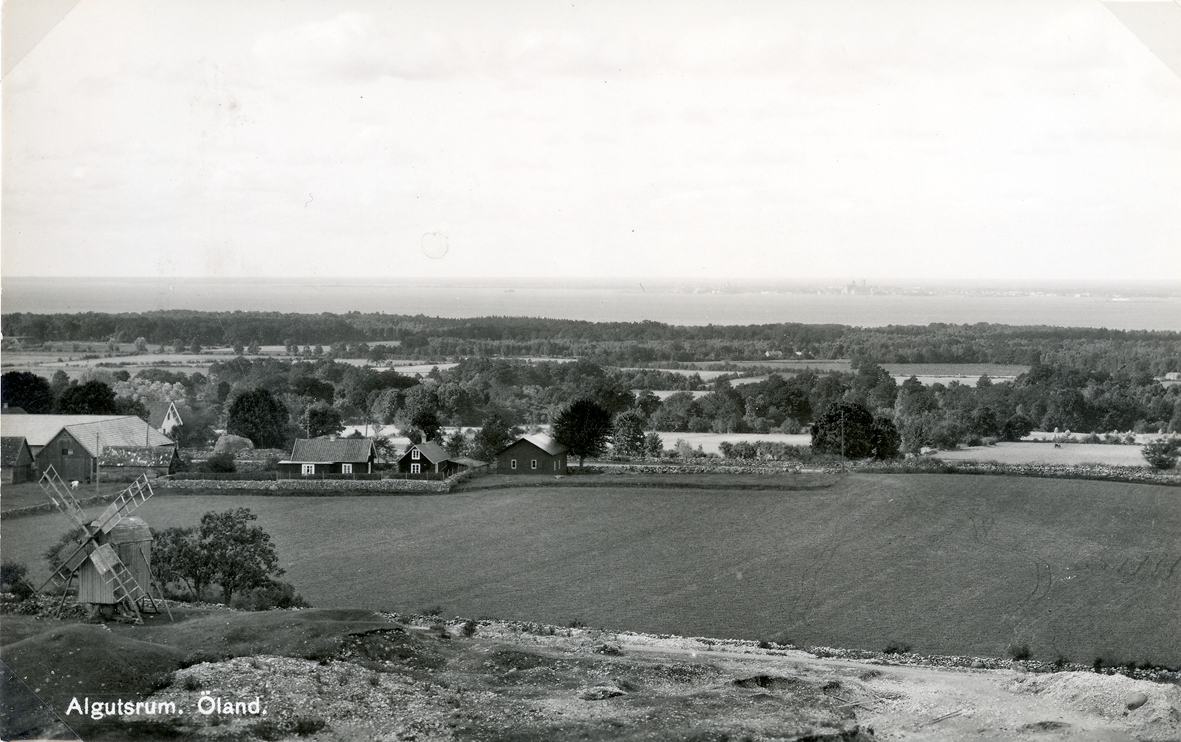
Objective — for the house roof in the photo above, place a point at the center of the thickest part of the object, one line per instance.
(544, 442)
(331, 451)
(433, 452)
(10, 450)
(88, 430)
(469, 463)
(136, 456)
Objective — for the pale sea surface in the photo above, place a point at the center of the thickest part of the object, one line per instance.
(597, 303)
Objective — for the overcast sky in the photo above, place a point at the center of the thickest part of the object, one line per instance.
(946, 139)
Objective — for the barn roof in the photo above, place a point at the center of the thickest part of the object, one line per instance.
(110, 430)
(330, 451)
(545, 443)
(433, 452)
(10, 450)
(136, 456)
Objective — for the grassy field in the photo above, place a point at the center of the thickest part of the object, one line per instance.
(945, 564)
(1067, 454)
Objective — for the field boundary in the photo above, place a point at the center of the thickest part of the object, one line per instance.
(1129, 474)
(49, 507)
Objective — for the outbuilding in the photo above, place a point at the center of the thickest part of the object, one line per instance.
(127, 463)
(16, 460)
(323, 458)
(72, 444)
(532, 454)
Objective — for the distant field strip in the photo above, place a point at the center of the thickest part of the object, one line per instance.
(946, 564)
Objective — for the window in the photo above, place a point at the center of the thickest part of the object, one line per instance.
(512, 464)
(307, 469)
(416, 468)
(415, 454)
(555, 465)
(346, 468)
(533, 464)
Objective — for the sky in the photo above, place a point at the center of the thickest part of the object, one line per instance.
(939, 139)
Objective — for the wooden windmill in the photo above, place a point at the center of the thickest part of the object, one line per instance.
(112, 557)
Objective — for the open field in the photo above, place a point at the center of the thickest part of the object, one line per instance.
(946, 564)
(1069, 454)
(709, 441)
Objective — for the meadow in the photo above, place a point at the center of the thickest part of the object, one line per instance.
(1066, 454)
(940, 563)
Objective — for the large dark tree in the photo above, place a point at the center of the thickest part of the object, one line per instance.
(584, 428)
(91, 398)
(28, 391)
(885, 439)
(320, 419)
(845, 428)
(492, 437)
(257, 415)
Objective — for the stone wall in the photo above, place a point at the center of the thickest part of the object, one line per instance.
(342, 486)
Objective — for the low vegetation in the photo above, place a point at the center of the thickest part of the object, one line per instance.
(945, 563)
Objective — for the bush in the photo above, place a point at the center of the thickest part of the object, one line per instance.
(1161, 453)
(221, 463)
(14, 579)
(275, 594)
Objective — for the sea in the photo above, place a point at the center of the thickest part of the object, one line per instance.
(609, 301)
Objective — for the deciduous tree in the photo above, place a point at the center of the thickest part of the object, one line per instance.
(29, 391)
(845, 428)
(628, 436)
(91, 398)
(257, 415)
(584, 428)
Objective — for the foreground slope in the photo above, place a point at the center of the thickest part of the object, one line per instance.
(334, 675)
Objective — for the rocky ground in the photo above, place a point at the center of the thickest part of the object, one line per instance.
(389, 677)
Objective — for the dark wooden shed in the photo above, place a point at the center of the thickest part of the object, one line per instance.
(532, 454)
(16, 460)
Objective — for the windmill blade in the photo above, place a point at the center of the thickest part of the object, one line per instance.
(116, 574)
(125, 504)
(57, 491)
(70, 558)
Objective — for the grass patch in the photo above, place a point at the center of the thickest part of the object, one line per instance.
(955, 564)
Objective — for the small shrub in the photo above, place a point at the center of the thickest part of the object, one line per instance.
(14, 579)
(274, 594)
(1020, 653)
(221, 463)
(308, 726)
(576, 624)
(191, 683)
(436, 610)
(897, 648)
(469, 628)
(1161, 453)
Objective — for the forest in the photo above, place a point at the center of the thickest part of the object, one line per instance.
(301, 398)
(611, 343)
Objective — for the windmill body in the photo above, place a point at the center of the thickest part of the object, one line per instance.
(112, 557)
(131, 541)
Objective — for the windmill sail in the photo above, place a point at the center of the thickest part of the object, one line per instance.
(125, 504)
(57, 491)
(116, 574)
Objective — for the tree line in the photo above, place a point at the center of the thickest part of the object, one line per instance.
(609, 343)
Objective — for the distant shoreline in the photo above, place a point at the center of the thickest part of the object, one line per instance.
(1117, 306)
